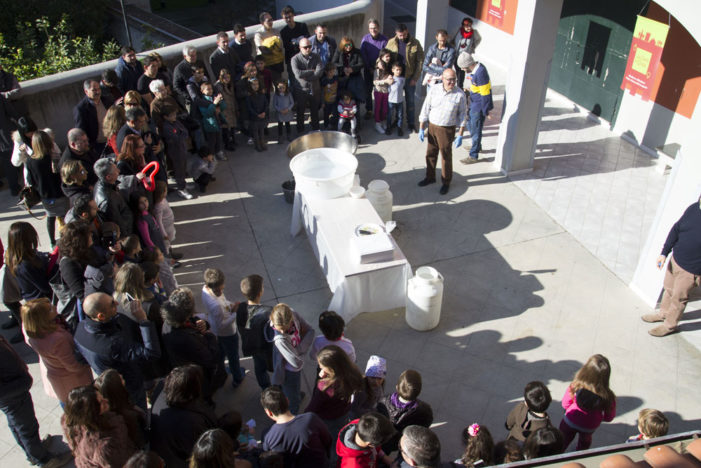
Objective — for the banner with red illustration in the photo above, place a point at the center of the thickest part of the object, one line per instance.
(646, 49)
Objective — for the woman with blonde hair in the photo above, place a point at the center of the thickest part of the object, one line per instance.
(48, 335)
(73, 177)
(114, 120)
(291, 336)
(129, 286)
(41, 175)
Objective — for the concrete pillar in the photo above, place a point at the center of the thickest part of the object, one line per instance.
(683, 188)
(429, 20)
(527, 82)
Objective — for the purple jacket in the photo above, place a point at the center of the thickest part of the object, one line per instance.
(370, 49)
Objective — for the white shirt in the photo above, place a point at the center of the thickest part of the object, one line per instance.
(221, 321)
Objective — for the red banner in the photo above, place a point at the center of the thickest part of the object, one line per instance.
(646, 49)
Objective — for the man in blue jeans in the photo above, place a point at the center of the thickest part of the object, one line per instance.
(480, 89)
(16, 403)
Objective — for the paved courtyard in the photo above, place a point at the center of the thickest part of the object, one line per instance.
(535, 276)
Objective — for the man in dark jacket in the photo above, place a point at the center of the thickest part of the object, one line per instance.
(189, 341)
(307, 69)
(110, 203)
(224, 57)
(16, 403)
(110, 340)
(242, 47)
(90, 112)
(129, 69)
(78, 149)
(683, 271)
(182, 73)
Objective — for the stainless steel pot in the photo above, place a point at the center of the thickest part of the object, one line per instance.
(338, 140)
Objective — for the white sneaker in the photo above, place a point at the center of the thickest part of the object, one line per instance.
(185, 194)
(378, 128)
(250, 142)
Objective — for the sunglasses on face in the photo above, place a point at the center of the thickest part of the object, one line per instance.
(305, 47)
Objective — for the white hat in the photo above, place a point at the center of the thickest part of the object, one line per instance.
(376, 367)
(465, 60)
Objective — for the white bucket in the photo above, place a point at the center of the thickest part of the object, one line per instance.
(324, 173)
(424, 299)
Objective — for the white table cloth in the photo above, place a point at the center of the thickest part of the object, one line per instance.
(356, 287)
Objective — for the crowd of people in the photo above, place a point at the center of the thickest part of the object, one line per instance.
(104, 300)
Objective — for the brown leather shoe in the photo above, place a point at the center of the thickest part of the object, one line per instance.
(652, 318)
(661, 330)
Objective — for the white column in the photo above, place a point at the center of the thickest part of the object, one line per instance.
(430, 20)
(527, 82)
(682, 189)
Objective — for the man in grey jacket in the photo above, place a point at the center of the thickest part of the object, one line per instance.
(307, 69)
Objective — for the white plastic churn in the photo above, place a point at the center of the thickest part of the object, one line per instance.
(424, 298)
(380, 198)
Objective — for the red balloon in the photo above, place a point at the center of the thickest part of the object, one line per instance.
(149, 179)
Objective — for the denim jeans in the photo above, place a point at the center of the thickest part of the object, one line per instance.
(260, 367)
(409, 98)
(23, 424)
(475, 126)
(395, 108)
(291, 387)
(229, 346)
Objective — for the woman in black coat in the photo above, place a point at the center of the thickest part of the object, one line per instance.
(349, 63)
(179, 415)
(42, 174)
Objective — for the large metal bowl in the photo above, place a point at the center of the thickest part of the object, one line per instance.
(338, 140)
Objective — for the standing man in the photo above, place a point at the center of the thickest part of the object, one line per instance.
(243, 48)
(480, 89)
(182, 73)
(16, 402)
(323, 44)
(683, 270)
(78, 149)
(444, 108)
(409, 51)
(223, 57)
(371, 45)
(439, 56)
(129, 69)
(303, 440)
(90, 112)
(110, 204)
(107, 340)
(307, 69)
(291, 34)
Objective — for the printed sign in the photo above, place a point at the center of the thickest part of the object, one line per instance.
(646, 49)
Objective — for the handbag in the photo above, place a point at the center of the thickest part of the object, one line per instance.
(67, 305)
(28, 199)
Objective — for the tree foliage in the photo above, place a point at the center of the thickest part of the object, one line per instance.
(46, 49)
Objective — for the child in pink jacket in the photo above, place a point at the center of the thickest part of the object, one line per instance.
(588, 401)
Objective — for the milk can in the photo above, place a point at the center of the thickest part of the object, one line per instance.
(380, 198)
(423, 299)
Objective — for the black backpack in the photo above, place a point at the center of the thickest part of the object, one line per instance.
(251, 321)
